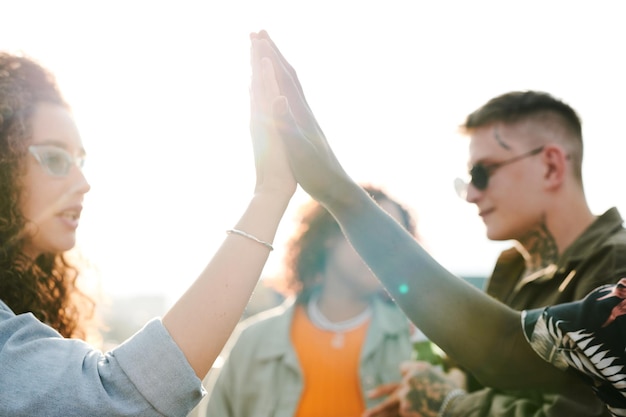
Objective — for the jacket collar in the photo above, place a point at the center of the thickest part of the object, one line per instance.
(511, 264)
(387, 319)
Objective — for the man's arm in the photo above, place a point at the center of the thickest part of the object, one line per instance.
(480, 333)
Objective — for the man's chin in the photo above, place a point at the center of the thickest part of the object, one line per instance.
(496, 235)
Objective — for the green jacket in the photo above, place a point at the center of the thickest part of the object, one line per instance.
(262, 377)
(597, 257)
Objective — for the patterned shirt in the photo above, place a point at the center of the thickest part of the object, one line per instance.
(588, 336)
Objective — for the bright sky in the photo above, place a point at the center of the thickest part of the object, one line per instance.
(160, 92)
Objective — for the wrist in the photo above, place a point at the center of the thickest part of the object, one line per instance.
(271, 197)
(449, 399)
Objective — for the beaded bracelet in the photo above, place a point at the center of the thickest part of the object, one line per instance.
(251, 237)
(448, 399)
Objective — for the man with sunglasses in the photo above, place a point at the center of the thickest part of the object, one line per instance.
(525, 178)
(562, 249)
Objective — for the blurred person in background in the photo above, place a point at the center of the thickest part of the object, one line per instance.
(46, 369)
(338, 335)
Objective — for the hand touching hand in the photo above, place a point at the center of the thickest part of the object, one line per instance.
(311, 159)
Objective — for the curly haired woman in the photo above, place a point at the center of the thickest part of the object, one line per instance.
(46, 284)
(46, 368)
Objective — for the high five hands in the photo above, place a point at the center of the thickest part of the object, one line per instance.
(283, 109)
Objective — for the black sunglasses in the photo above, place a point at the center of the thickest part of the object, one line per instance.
(480, 173)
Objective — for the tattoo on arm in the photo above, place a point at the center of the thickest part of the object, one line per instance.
(427, 391)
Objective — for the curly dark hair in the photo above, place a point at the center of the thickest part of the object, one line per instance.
(307, 250)
(46, 287)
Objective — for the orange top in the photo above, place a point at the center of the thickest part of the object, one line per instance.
(331, 374)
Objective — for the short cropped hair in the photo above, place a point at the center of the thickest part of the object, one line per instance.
(533, 106)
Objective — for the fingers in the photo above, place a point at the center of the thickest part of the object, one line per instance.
(384, 389)
(293, 137)
(272, 165)
(259, 107)
(263, 90)
(257, 92)
(266, 123)
(289, 86)
(388, 407)
(275, 85)
(264, 35)
(288, 82)
(409, 368)
(263, 85)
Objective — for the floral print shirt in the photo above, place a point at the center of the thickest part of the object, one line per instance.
(588, 336)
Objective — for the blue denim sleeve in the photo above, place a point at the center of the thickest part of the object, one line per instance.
(42, 373)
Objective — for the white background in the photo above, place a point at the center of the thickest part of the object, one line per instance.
(160, 92)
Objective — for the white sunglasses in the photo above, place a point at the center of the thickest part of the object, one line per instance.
(55, 160)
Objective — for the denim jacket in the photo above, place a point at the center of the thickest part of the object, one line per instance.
(44, 374)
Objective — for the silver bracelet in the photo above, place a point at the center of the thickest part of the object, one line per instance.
(449, 397)
(251, 237)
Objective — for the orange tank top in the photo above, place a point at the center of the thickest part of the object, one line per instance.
(330, 368)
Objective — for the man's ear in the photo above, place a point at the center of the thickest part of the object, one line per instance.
(555, 160)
